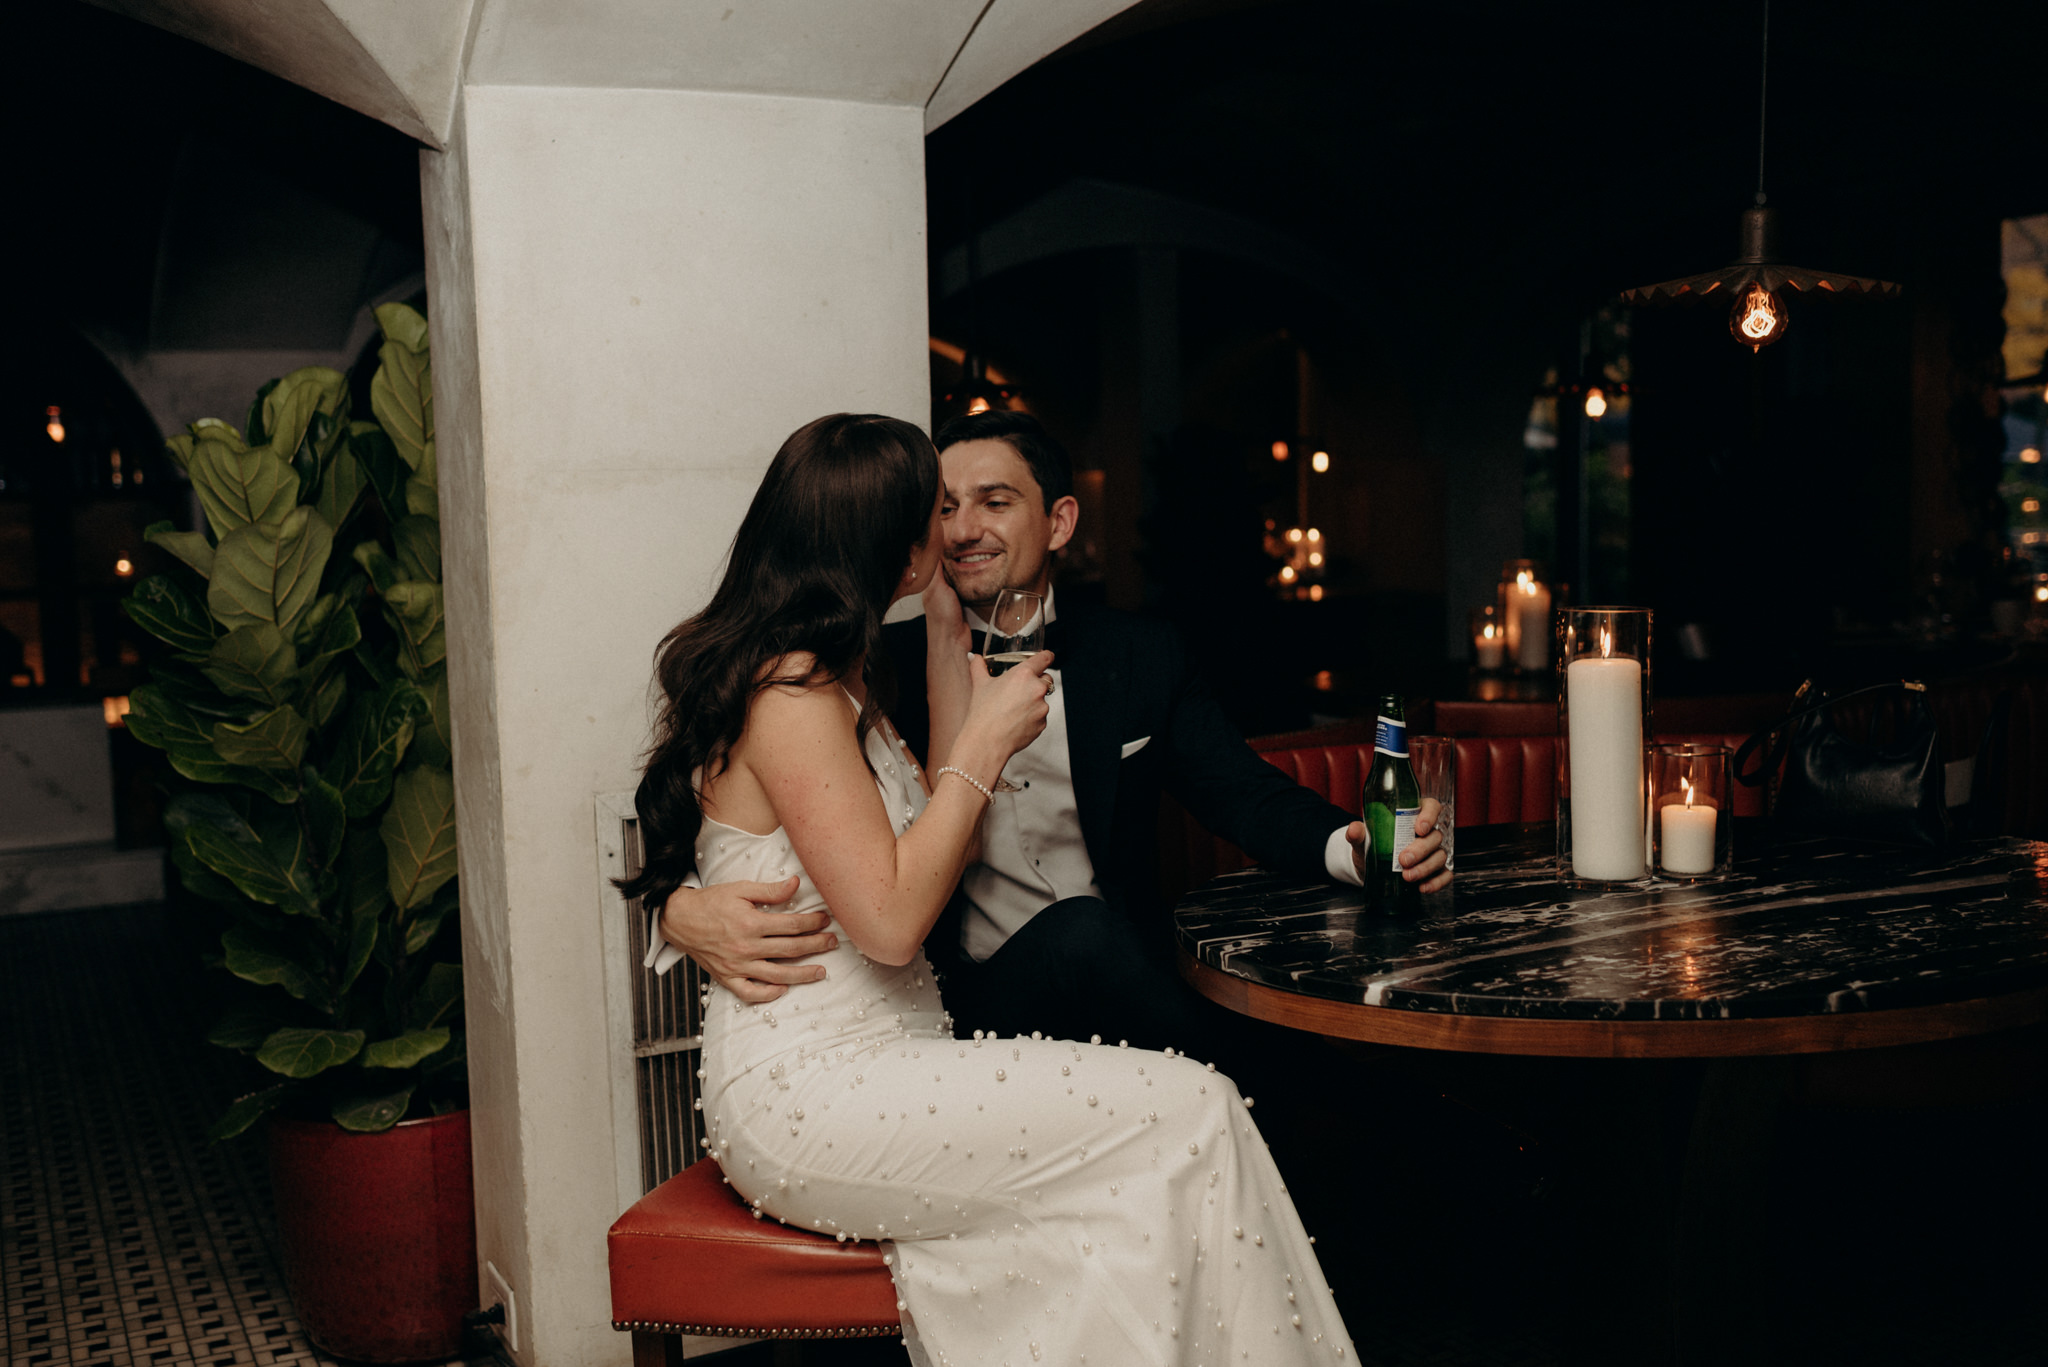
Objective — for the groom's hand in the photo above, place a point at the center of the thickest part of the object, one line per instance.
(749, 951)
(1424, 859)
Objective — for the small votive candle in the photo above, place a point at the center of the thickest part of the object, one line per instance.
(1691, 790)
(1489, 639)
(1688, 835)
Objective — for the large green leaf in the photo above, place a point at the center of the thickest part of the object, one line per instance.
(249, 1109)
(213, 429)
(253, 662)
(265, 856)
(170, 612)
(241, 488)
(370, 1113)
(201, 881)
(378, 564)
(289, 407)
(362, 942)
(191, 547)
(440, 992)
(327, 701)
(341, 488)
(416, 610)
(269, 571)
(179, 450)
(426, 924)
(362, 875)
(403, 323)
(189, 688)
(243, 1028)
(386, 471)
(417, 540)
(267, 960)
(374, 738)
(423, 490)
(406, 1050)
(327, 632)
(298, 1052)
(274, 743)
(154, 718)
(402, 396)
(419, 835)
(432, 740)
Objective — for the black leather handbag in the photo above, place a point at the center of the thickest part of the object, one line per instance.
(1833, 785)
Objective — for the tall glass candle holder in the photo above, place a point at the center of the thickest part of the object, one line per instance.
(1691, 795)
(1523, 604)
(1603, 727)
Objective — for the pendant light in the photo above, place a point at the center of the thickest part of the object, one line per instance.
(1756, 282)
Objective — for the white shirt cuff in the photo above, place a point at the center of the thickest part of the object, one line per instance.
(661, 955)
(1337, 857)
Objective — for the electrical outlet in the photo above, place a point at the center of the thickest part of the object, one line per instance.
(501, 1294)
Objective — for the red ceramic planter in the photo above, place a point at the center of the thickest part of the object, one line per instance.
(379, 1235)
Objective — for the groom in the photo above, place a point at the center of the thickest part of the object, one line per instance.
(1057, 928)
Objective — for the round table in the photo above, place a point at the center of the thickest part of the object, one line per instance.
(1811, 946)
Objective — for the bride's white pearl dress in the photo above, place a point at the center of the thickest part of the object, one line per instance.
(1046, 1201)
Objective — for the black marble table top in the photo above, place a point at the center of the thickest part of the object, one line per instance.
(1802, 927)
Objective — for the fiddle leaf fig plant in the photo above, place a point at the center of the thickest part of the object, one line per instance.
(303, 706)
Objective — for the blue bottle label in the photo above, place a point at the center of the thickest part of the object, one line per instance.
(1391, 739)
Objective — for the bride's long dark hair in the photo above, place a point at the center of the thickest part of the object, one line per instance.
(812, 569)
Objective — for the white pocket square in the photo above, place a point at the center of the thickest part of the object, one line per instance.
(1134, 747)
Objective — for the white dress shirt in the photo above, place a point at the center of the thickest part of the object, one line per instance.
(1032, 853)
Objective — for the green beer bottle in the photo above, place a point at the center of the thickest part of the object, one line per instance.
(1391, 802)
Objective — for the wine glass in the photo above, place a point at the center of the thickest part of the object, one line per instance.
(1016, 632)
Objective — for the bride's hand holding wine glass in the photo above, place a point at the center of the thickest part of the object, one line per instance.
(1006, 713)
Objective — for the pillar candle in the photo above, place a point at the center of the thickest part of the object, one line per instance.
(1531, 608)
(1605, 702)
(1489, 648)
(1688, 838)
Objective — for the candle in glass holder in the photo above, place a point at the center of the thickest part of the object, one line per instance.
(1605, 696)
(1490, 647)
(1529, 609)
(1688, 844)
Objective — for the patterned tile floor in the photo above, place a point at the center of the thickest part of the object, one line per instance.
(128, 1240)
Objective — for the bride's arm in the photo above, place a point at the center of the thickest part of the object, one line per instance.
(886, 892)
(948, 685)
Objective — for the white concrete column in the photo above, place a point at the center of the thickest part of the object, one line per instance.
(635, 296)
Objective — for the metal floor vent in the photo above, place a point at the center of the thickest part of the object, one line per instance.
(656, 1025)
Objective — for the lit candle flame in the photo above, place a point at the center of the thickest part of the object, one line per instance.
(1486, 632)
(1606, 643)
(1686, 783)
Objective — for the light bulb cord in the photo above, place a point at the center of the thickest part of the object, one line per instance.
(1763, 90)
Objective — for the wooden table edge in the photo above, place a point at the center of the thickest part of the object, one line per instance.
(1815, 1034)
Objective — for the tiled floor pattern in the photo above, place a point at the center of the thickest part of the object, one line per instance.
(126, 1238)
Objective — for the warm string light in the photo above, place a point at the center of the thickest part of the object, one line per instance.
(55, 425)
(1596, 403)
(124, 566)
(1279, 450)
(1320, 462)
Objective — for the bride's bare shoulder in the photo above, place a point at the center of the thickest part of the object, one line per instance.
(791, 685)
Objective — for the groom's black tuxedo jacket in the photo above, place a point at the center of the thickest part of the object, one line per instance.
(1126, 678)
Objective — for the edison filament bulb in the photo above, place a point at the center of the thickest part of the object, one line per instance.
(1758, 318)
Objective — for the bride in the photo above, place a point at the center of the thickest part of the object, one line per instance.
(1046, 1200)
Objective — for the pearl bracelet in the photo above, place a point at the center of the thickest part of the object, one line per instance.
(976, 783)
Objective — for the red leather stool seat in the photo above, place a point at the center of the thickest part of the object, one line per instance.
(690, 1258)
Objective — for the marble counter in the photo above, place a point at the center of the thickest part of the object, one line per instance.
(1802, 928)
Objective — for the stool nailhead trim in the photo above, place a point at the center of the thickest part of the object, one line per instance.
(872, 1331)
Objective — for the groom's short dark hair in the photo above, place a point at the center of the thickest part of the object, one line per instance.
(1025, 435)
